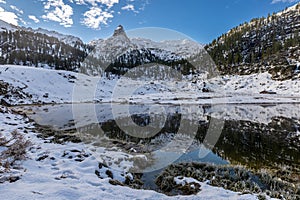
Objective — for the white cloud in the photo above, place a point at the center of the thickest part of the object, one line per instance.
(8, 17)
(94, 3)
(128, 7)
(34, 18)
(99, 13)
(79, 2)
(58, 11)
(108, 3)
(284, 1)
(16, 9)
(94, 17)
(144, 4)
(3, 1)
(22, 21)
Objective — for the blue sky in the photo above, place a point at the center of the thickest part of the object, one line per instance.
(202, 20)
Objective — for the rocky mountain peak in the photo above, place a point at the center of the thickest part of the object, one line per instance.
(119, 31)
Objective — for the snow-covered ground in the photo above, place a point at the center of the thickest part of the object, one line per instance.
(254, 84)
(50, 86)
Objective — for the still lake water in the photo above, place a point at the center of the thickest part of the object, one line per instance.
(255, 136)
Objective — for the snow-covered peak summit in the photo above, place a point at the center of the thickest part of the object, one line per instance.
(119, 37)
(112, 47)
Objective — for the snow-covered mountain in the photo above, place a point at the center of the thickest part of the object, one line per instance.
(119, 53)
(119, 43)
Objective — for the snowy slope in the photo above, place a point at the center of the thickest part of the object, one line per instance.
(185, 48)
(49, 86)
(34, 85)
(254, 84)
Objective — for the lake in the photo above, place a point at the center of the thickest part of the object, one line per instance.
(256, 136)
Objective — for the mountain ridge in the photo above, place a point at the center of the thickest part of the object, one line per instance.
(183, 47)
(54, 50)
(67, 39)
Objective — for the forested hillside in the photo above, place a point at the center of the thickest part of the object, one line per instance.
(28, 47)
(265, 44)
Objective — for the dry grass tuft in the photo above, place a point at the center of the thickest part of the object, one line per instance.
(12, 152)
